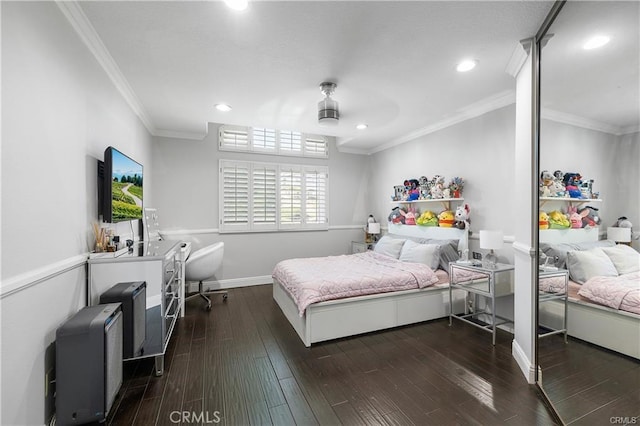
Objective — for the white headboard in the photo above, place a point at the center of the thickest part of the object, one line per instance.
(435, 232)
(569, 235)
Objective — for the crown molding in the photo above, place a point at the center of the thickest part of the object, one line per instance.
(180, 135)
(477, 109)
(629, 130)
(575, 120)
(81, 24)
(517, 60)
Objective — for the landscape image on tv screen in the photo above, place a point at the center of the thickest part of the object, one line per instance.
(126, 188)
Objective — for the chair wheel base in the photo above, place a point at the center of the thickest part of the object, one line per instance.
(224, 297)
(208, 307)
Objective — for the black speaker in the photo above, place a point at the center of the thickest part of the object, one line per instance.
(88, 364)
(133, 297)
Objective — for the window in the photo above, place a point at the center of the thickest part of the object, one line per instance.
(268, 197)
(272, 141)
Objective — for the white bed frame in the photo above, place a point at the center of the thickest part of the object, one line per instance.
(356, 315)
(610, 328)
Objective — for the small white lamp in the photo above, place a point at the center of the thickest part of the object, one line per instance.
(373, 230)
(619, 235)
(491, 240)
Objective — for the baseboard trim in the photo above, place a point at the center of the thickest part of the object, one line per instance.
(230, 283)
(28, 279)
(528, 370)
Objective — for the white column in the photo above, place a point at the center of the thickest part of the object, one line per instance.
(523, 345)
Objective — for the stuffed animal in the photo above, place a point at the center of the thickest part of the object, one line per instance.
(446, 219)
(574, 218)
(572, 183)
(589, 216)
(437, 186)
(397, 215)
(411, 187)
(543, 220)
(424, 187)
(427, 218)
(546, 178)
(558, 220)
(462, 217)
(410, 216)
(623, 222)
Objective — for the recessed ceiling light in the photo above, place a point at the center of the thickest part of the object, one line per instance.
(595, 42)
(223, 107)
(466, 65)
(361, 126)
(237, 4)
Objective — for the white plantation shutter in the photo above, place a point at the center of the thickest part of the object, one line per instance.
(258, 196)
(290, 143)
(315, 146)
(271, 141)
(290, 196)
(264, 139)
(264, 197)
(234, 189)
(234, 138)
(315, 197)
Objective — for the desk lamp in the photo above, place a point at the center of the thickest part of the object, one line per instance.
(491, 240)
(619, 235)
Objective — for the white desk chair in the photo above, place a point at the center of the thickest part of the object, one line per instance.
(203, 264)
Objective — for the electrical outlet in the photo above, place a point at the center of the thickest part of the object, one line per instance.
(477, 256)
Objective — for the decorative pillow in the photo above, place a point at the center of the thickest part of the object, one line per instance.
(429, 254)
(585, 264)
(624, 258)
(448, 251)
(560, 249)
(389, 246)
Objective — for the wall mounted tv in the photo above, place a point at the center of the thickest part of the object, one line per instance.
(122, 188)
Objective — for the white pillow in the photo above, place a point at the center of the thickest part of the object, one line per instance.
(389, 246)
(429, 254)
(624, 258)
(589, 263)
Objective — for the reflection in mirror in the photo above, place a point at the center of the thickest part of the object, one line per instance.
(589, 286)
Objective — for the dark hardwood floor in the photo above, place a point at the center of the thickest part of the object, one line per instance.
(589, 385)
(243, 364)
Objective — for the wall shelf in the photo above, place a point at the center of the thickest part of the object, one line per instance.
(571, 201)
(446, 202)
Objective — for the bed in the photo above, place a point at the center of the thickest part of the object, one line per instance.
(604, 294)
(358, 309)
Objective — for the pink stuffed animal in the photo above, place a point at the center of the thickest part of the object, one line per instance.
(574, 218)
(410, 216)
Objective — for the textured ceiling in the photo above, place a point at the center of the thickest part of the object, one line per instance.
(394, 62)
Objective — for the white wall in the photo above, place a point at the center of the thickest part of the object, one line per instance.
(185, 182)
(480, 150)
(59, 112)
(627, 182)
(595, 155)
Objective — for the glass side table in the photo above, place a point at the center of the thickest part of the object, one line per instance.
(490, 283)
(559, 291)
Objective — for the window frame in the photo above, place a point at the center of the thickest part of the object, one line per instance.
(321, 189)
(311, 145)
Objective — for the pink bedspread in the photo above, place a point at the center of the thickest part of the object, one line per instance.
(621, 292)
(318, 279)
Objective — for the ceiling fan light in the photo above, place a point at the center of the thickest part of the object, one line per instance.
(328, 111)
(223, 107)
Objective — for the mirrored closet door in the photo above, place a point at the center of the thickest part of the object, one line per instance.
(589, 148)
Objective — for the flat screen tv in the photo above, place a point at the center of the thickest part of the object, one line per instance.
(122, 187)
